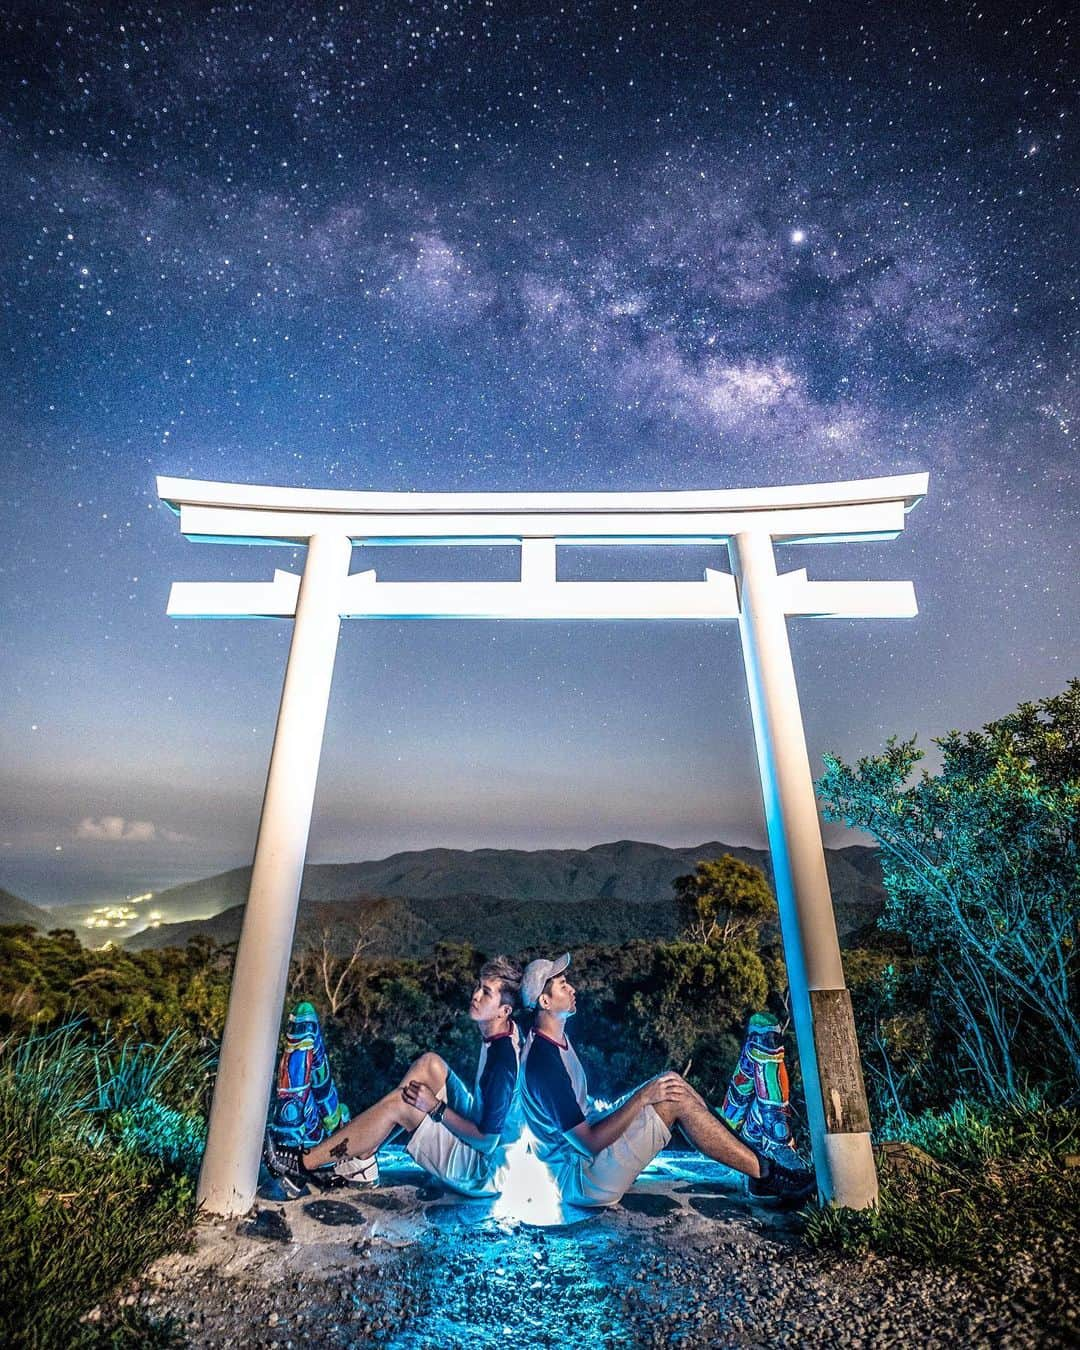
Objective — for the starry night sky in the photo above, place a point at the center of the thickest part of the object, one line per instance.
(487, 246)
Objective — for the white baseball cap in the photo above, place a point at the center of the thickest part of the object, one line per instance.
(537, 974)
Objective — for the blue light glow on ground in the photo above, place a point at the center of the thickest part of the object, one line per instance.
(523, 1270)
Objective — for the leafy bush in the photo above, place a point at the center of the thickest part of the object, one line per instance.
(907, 1048)
(45, 981)
(981, 863)
(697, 992)
(89, 1195)
(133, 1073)
(156, 1131)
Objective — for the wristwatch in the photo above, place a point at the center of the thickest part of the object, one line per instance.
(437, 1112)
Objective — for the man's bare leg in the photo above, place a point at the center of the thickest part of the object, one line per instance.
(365, 1134)
(707, 1133)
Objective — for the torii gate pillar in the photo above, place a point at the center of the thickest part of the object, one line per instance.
(836, 1105)
(260, 976)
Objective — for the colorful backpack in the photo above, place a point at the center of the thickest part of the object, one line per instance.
(756, 1104)
(306, 1107)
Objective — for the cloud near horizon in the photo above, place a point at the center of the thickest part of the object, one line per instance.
(118, 830)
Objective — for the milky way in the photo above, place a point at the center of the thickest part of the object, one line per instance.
(497, 247)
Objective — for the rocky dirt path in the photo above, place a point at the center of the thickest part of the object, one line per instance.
(683, 1261)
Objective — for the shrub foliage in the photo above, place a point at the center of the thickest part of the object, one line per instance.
(982, 868)
(989, 1186)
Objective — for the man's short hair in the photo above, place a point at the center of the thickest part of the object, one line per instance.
(508, 975)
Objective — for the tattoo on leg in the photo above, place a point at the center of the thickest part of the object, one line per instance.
(340, 1150)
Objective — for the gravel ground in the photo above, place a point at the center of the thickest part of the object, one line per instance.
(680, 1262)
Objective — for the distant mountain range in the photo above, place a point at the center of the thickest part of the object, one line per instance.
(397, 927)
(14, 910)
(508, 899)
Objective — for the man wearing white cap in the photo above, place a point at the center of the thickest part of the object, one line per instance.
(596, 1156)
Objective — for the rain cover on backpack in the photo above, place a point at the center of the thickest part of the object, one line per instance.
(756, 1103)
(306, 1106)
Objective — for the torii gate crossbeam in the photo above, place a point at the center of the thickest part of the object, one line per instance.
(749, 522)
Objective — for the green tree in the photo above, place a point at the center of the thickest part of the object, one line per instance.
(723, 901)
(982, 868)
(702, 989)
(703, 985)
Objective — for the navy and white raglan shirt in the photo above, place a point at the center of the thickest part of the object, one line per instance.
(493, 1106)
(496, 1085)
(554, 1096)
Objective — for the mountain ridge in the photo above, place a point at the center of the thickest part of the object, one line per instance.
(614, 891)
(625, 883)
(14, 909)
(636, 867)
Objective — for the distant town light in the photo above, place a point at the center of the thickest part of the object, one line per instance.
(111, 916)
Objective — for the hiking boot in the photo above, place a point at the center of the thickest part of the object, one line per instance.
(788, 1187)
(279, 1188)
(287, 1161)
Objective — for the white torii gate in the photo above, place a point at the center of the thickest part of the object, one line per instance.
(748, 521)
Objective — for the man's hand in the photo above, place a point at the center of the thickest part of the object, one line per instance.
(665, 1087)
(421, 1096)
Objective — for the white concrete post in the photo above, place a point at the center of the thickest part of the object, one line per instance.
(230, 1169)
(821, 1006)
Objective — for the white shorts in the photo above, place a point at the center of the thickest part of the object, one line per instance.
(439, 1151)
(605, 1179)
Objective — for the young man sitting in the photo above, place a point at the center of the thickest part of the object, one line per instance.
(457, 1135)
(596, 1156)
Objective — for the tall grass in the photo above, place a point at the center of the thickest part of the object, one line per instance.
(96, 1179)
(992, 1184)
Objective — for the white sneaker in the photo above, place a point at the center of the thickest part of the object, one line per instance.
(358, 1171)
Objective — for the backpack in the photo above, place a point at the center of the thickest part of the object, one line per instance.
(306, 1107)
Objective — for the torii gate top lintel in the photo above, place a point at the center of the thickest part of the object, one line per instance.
(860, 509)
(180, 492)
(537, 523)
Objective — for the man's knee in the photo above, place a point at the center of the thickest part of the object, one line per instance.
(667, 1111)
(692, 1093)
(692, 1101)
(429, 1068)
